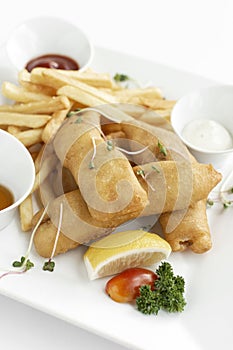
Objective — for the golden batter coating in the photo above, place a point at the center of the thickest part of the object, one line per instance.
(175, 185)
(103, 173)
(187, 229)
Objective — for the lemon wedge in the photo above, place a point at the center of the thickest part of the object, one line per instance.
(122, 250)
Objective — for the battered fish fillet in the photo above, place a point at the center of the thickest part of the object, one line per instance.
(187, 229)
(103, 173)
(78, 227)
(45, 237)
(175, 185)
(145, 135)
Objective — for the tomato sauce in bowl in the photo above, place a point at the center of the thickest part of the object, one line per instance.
(54, 61)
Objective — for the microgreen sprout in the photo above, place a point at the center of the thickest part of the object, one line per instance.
(50, 264)
(227, 204)
(162, 149)
(91, 163)
(224, 195)
(142, 173)
(155, 168)
(132, 152)
(24, 264)
(74, 112)
(210, 202)
(109, 145)
(78, 120)
(27, 265)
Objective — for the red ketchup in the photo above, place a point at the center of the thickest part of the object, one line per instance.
(52, 61)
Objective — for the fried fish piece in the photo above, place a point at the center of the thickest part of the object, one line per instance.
(187, 229)
(102, 172)
(175, 185)
(45, 238)
(78, 227)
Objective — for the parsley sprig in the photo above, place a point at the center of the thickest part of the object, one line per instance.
(167, 294)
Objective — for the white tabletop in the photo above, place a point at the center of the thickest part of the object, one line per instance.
(194, 35)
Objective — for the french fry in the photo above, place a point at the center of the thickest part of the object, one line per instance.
(100, 80)
(28, 120)
(150, 93)
(20, 94)
(14, 130)
(46, 167)
(26, 214)
(24, 79)
(55, 79)
(38, 107)
(54, 124)
(38, 159)
(151, 103)
(76, 105)
(24, 76)
(166, 113)
(78, 95)
(48, 192)
(134, 111)
(4, 127)
(30, 137)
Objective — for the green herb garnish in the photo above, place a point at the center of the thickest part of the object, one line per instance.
(109, 145)
(49, 265)
(19, 263)
(91, 165)
(78, 120)
(162, 148)
(71, 113)
(140, 172)
(28, 264)
(210, 202)
(121, 77)
(167, 295)
(156, 169)
(227, 204)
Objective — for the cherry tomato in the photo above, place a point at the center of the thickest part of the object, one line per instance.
(125, 286)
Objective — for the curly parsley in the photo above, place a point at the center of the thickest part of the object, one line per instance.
(167, 295)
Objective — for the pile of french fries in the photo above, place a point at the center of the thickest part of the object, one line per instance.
(43, 98)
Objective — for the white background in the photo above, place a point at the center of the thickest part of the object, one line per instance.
(195, 35)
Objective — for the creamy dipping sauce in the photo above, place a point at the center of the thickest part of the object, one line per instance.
(207, 134)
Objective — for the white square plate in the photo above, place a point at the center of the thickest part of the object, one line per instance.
(67, 293)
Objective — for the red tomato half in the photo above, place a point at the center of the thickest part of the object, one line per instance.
(125, 286)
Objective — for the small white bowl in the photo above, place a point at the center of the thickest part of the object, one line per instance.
(48, 35)
(17, 173)
(213, 103)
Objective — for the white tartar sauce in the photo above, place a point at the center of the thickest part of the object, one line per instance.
(207, 134)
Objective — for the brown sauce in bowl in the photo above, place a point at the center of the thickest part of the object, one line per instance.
(52, 61)
(6, 197)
